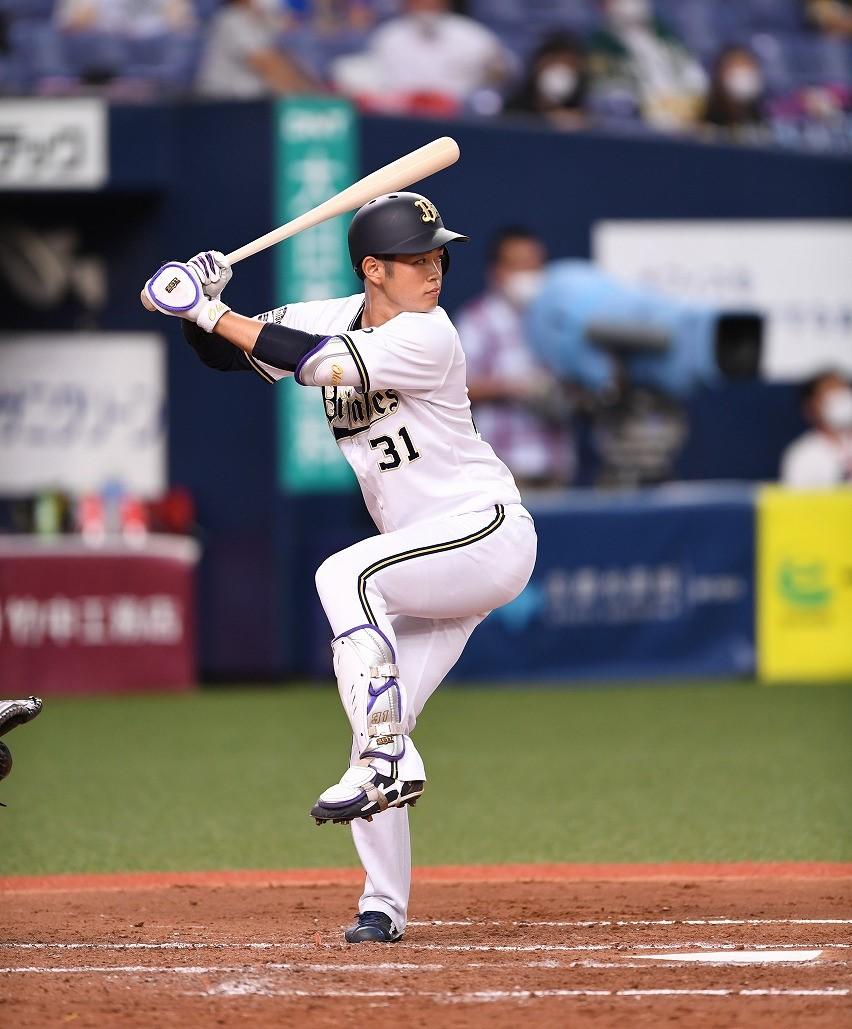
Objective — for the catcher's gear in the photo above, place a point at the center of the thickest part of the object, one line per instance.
(175, 289)
(12, 714)
(398, 223)
(213, 270)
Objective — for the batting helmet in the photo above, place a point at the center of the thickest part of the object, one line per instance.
(399, 223)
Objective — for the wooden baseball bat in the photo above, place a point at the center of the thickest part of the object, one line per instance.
(405, 171)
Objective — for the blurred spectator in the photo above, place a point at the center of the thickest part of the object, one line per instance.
(134, 18)
(241, 58)
(425, 54)
(556, 82)
(832, 16)
(737, 91)
(823, 455)
(637, 61)
(519, 407)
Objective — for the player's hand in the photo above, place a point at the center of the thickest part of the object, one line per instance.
(213, 271)
(176, 290)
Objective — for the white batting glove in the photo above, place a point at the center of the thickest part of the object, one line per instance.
(176, 290)
(213, 270)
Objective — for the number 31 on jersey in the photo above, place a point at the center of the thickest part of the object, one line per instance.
(390, 451)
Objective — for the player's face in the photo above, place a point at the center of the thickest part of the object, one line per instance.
(412, 282)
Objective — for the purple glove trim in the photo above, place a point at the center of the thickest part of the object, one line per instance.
(159, 303)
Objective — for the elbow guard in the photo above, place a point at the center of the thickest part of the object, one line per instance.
(285, 348)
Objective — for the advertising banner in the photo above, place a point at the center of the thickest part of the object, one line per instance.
(53, 144)
(653, 584)
(804, 614)
(79, 412)
(77, 620)
(794, 272)
(315, 148)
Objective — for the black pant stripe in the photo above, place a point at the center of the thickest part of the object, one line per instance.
(408, 555)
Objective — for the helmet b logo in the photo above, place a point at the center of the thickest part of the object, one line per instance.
(430, 213)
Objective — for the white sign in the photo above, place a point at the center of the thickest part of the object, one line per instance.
(80, 411)
(53, 144)
(797, 273)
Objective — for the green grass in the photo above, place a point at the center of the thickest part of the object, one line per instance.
(225, 778)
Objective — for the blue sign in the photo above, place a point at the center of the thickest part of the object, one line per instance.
(658, 583)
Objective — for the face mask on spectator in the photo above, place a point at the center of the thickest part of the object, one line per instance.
(836, 409)
(743, 84)
(521, 287)
(556, 82)
(625, 13)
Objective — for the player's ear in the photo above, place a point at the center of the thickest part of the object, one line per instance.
(373, 270)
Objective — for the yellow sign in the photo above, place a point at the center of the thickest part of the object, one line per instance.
(804, 585)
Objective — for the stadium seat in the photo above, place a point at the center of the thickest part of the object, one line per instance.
(37, 50)
(168, 59)
(88, 53)
(802, 59)
(28, 8)
(693, 21)
(776, 15)
(535, 18)
(206, 8)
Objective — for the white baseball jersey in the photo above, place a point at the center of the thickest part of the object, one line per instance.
(395, 397)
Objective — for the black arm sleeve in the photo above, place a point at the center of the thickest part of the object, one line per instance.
(215, 351)
(283, 347)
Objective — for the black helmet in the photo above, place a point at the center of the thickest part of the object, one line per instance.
(399, 223)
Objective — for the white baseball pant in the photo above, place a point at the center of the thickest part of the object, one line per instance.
(426, 587)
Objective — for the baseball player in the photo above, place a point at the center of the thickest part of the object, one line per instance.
(454, 541)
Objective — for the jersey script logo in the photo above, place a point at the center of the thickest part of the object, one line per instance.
(350, 412)
(430, 213)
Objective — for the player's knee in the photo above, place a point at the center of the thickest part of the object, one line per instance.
(328, 578)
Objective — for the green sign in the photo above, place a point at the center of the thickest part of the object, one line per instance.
(804, 585)
(315, 158)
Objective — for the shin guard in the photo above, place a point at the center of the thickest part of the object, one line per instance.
(372, 695)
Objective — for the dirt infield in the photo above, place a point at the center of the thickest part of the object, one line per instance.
(540, 946)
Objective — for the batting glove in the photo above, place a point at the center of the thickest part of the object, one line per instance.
(213, 270)
(176, 290)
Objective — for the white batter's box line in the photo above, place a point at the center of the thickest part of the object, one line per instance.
(626, 923)
(272, 966)
(244, 988)
(496, 948)
(392, 966)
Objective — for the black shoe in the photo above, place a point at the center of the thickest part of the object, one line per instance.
(363, 792)
(372, 927)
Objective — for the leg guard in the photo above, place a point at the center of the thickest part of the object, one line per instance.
(372, 695)
(387, 771)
